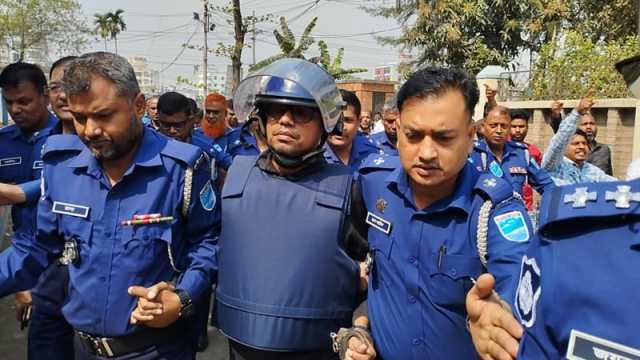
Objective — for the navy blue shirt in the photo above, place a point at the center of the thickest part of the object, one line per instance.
(384, 144)
(579, 286)
(516, 167)
(424, 259)
(361, 149)
(79, 203)
(20, 162)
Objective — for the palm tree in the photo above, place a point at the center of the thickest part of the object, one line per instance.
(287, 43)
(103, 25)
(117, 25)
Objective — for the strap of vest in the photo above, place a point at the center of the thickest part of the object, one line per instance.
(238, 174)
(483, 156)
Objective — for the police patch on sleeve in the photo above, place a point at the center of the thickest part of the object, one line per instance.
(512, 226)
(583, 346)
(529, 290)
(496, 169)
(208, 197)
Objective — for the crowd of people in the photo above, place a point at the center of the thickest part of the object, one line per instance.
(304, 227)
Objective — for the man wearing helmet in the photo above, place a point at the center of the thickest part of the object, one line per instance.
(285, 279)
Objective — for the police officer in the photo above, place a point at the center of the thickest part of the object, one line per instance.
(434, 224)
(504, 158)
(27, 96)
(129, 213)
(386, 140)
(285, 281)
(348, 148)
(577, 291)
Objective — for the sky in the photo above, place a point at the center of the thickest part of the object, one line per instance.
(156, 29)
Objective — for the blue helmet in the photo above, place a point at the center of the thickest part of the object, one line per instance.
(294, 82)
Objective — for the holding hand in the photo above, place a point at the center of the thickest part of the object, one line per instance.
(158, 306)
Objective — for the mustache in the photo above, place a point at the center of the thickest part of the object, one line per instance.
(285, 132)
(433, 165)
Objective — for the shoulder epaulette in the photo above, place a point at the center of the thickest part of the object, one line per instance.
(494, 188)
(62, 143)
(590, 201)
(376, 162)
(186, 153)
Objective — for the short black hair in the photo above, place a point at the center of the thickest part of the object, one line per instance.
(19, 72)
(60, 62)
(520, 114)
(351, 99)
(435, 81)
(172, 103)
(194, 105)
(581, 133)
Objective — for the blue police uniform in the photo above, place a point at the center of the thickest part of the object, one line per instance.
(361, 148)
(82, 214)
(425, 259)
(384, 144)
(517, 166)
(242, 142)
(285, 282)
(578, 292)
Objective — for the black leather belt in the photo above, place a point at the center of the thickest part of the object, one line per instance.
(110, 347)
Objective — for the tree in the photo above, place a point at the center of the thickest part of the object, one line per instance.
(475, 33)
(102, 27)
(287, 43)
(335, 67)
(116, 25)
(582, 64)
(29, 24)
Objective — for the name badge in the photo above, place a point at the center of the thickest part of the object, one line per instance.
(11, 161)
(588, 347)
(70, 209)
(38, 164)
(518, 170)
(379, 223)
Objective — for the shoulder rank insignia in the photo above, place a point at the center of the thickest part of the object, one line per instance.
(381, 204)
(512, 226)
(580, 197)
(490, 183)
(378, 161)
(623, 196)
(583, 346)
(529, 290)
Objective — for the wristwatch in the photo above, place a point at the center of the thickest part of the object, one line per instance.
(186, 305)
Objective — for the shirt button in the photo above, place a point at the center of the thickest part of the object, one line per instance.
(453, 272)
(416, 342)
(412, 259)
(412, 299)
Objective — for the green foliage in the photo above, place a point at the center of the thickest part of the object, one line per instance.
(58, 24)
(287, 43)
(109, 25)
(472, 34)
(335, 67)
(582, 65)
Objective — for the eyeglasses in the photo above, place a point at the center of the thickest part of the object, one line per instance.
(179, 126)
(300, 114)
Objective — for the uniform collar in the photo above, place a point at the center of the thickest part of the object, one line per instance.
(147, 155)
(52, 121)
(357, 148)
(460, 199)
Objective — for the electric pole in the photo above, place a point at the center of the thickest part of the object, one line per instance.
(253, 37)
(205, 21)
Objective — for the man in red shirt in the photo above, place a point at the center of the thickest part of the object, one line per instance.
(519, 129)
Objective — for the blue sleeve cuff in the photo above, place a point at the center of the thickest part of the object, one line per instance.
(193, 283)
(31, 191)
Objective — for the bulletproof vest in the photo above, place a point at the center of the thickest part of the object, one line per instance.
(284, 281)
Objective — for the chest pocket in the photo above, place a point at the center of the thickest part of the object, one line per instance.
(381, 246)
(449, 283)
(80, 231)
(144, 246)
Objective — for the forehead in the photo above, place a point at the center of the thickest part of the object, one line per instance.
(518, 121)
(577, 138)
(152, 102)
(495, 117)
(215, 106)
(102, 95)
(24, 88)
(588, 119)
(445, 111)
(57, 73)
(350, 111)
(177, 117)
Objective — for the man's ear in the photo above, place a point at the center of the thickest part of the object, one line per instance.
(140, 105)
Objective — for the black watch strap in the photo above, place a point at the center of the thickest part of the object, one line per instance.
(186, 304)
